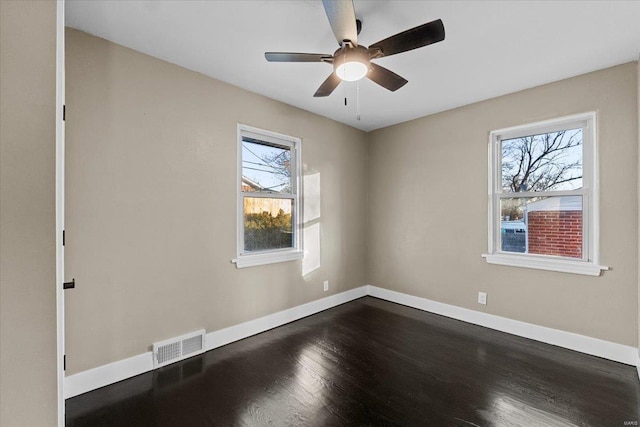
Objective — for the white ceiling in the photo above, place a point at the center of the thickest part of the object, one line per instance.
(491, 47)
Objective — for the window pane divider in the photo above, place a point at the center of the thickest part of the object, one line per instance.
(530, 194)
(263, 195)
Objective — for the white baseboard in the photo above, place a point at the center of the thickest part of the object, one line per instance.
(228, 335)
(596, 347)
(101, 376)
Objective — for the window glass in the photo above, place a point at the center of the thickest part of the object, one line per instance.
(543, 162)
(542, 225)
(267, 224)
(265, 168)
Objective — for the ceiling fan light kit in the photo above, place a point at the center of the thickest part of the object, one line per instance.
(352, 62)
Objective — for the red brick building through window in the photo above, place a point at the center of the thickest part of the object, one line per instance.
(554, 226)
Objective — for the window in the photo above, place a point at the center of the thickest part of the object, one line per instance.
(543, 199)
(269, 182)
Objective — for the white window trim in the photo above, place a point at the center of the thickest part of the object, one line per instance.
(278, 255)
(590, 264)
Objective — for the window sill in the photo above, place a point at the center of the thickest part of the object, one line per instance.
(267, 258)
(550, 264)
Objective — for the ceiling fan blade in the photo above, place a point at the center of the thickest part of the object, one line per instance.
(328, 86)
(342, 17)
(386, 78)
(422, 35)
(297, 57)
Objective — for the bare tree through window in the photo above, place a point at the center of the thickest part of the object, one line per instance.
(545, 162)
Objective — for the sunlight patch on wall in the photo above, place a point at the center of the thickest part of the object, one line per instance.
(311, 260)
(311, 231)
(311, 197)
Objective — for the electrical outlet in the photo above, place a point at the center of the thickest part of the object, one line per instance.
(326, 285)
(482, 298)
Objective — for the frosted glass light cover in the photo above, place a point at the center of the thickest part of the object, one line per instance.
(351, 71)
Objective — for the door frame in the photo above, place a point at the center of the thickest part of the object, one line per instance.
(60, 149)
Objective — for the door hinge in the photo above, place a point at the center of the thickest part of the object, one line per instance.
(64, 362)
(64, 113)
(63, 237)
(69, 285)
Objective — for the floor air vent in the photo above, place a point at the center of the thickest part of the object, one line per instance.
(178, 348)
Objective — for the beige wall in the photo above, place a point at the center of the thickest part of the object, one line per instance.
(27, 214)
(151, 204)
(638, 99)
(151, 169)
(428, 210)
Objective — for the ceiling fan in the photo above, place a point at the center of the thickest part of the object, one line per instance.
(351, 61)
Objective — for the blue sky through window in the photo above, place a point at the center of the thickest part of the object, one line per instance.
(266, 165)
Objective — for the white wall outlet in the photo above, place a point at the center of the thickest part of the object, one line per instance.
(326, 285)
(482, 298)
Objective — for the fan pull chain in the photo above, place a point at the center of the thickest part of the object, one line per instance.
(345, 94)
(344, 61)
(358, 100)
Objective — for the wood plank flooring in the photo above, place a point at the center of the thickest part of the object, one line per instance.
(368, 363)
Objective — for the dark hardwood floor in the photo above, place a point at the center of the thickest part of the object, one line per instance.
(371, 362)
